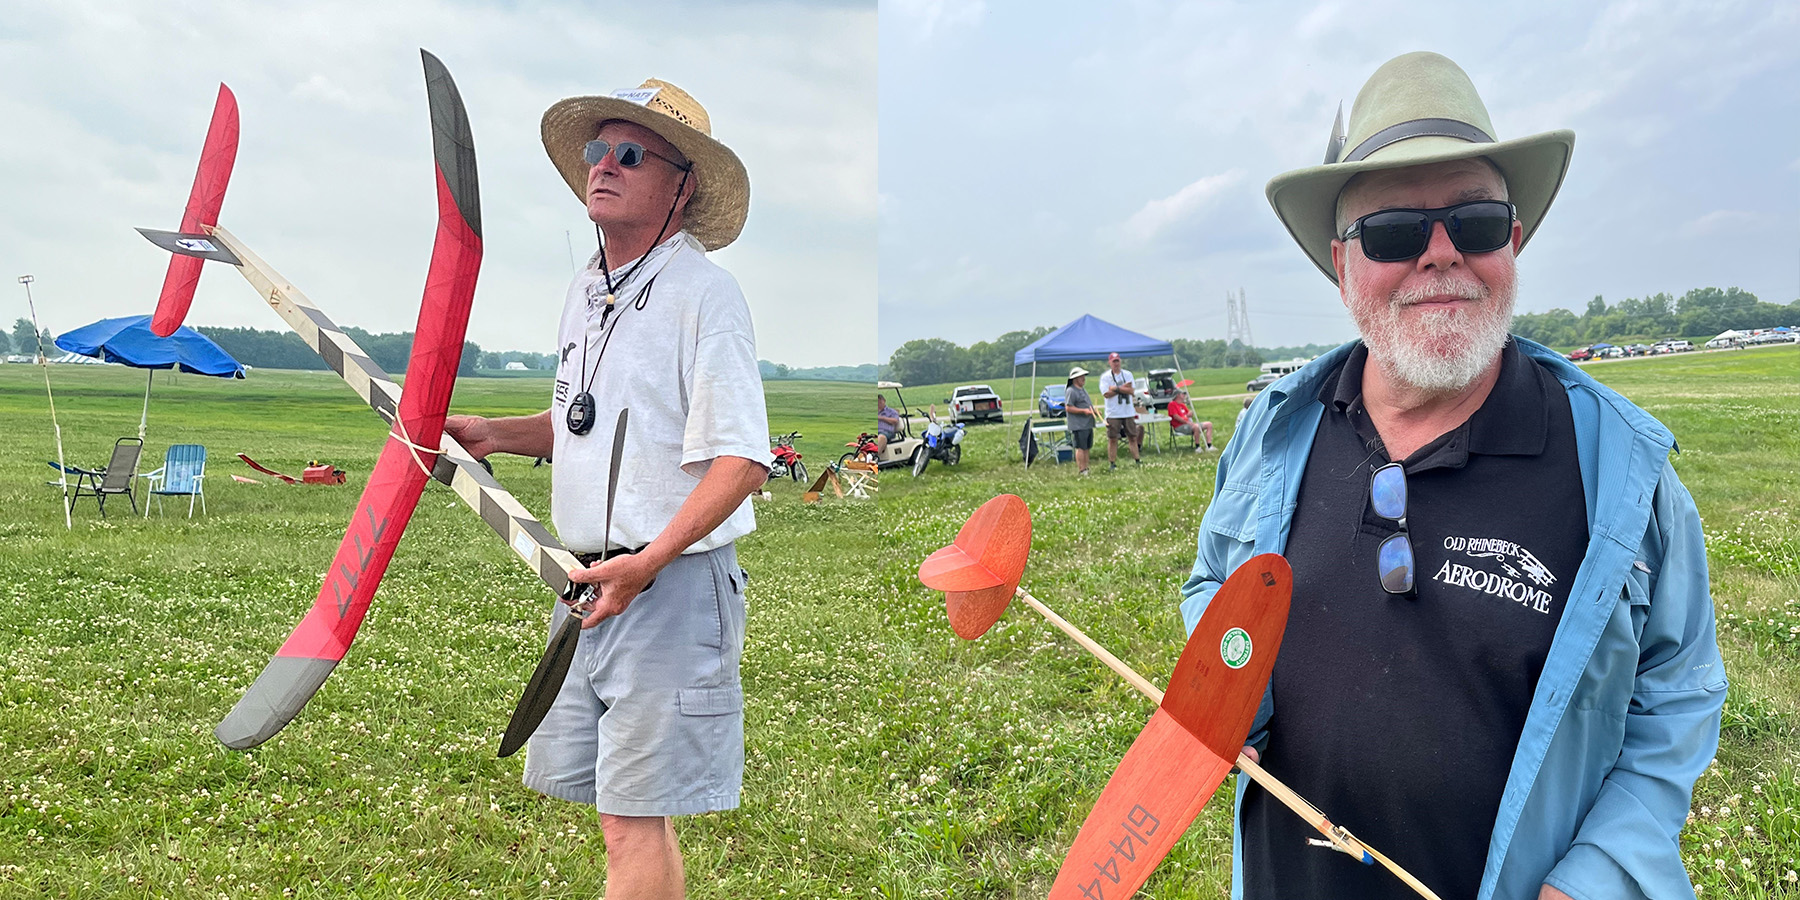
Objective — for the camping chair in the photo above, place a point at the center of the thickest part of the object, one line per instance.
(183, 473)
(1028, 444)
(116, 478)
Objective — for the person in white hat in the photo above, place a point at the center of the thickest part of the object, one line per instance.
(649, 723)
(1500, 665)
(1079, 416)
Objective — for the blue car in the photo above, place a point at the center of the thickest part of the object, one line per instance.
(1050, 402)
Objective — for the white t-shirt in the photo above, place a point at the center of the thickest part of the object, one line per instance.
(1118, 406)
(682, 358)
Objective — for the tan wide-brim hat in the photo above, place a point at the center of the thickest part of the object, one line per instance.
(715, 214)
(1416, 109)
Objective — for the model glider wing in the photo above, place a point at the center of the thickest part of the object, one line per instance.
(204, 201)
(1188, 747)
(979, 571)
(406, 462)
(266, 470)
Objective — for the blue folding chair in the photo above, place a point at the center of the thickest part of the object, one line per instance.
(183, 473)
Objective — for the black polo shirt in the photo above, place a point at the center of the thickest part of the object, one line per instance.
(1398, 716)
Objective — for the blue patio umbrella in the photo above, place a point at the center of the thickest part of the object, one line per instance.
(128, 340)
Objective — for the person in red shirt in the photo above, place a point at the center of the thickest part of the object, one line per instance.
(1181, 421)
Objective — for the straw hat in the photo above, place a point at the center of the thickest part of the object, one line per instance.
(1416, 109)
(715, 214)
(1075, 373)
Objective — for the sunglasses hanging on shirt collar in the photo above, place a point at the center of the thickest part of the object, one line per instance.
(1394, 558)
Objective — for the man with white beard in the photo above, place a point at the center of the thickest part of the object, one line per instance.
(1500, 664)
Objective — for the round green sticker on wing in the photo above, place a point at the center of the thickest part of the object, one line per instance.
(1234, 648)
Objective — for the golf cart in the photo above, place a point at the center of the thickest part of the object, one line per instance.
(905, 444)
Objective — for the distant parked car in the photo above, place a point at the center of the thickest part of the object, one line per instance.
(1680, 346)
(1261, 381)
(1580, 354)
(975, 403)
(1050, 402)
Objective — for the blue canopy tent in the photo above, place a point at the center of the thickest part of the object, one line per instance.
(128, 340)
(1086, 338)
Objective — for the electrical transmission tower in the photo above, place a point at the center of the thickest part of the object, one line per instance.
(1237, 319)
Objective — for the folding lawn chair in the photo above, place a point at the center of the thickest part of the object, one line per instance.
(183, 473)
(116, 478)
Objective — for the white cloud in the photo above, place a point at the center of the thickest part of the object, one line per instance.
(1720, 220)
(928, 17)
(1156, 217)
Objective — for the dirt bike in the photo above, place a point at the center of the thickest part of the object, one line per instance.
(863, 449)
(942, 442)
(787, 459)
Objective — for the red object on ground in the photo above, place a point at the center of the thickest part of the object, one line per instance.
(1191, 741)
(204, 201)
(322, 475)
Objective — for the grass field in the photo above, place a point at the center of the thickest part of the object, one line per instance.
(885, 757)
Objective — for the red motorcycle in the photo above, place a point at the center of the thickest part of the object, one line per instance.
(787, 459)
(863, 449)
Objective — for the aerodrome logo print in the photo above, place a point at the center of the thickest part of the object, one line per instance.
(1504, 570)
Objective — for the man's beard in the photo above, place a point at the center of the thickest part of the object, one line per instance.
(1440, 351)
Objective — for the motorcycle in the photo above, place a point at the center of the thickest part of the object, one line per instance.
(787, 459)
(942, 442)
(863, 449)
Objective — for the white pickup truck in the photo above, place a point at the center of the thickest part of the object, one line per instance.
(975, 403)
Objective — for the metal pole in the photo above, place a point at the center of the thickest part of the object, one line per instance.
(144, 417)
(37, 334)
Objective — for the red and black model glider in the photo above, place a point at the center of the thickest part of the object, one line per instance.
(324, 636)
(405, 464)
(190, 245)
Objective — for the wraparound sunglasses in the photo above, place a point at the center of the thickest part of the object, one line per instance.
(1393, 235)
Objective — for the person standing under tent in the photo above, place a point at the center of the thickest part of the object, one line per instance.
(1078, 417)
(1121, 415)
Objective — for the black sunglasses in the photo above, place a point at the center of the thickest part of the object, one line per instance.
(1393, 235)
(1394, 558)
(631, 155)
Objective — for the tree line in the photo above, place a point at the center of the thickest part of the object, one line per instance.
(285, 350)
(1699, 313)
(24, 339)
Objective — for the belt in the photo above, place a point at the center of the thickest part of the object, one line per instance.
(588, 559)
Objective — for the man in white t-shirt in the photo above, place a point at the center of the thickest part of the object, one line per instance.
(649, 723)
(1121, 416)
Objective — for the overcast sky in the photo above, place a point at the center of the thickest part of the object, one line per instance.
(1047, 159)
(106, 104)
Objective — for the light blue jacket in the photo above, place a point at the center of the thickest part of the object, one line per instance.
(1626, 713)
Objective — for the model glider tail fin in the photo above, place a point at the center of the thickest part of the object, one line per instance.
(406, 462)
(1188, 747)
(979, 571)
(204, 202)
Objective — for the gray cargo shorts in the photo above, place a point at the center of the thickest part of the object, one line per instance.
(650, 721)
